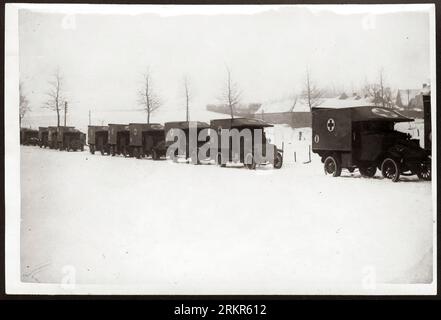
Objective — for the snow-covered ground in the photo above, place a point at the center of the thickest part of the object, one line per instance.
(180, 228)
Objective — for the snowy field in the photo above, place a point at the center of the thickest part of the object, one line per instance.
(180, 228)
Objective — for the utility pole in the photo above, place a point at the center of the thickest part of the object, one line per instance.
(90, 123)
(65, 111)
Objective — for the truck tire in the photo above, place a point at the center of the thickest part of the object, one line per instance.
(278, 161)
(112, 151)
(136, 153)
(92, 148)
(424, 172)
(368, 171)
(390, 169)
(332, 166)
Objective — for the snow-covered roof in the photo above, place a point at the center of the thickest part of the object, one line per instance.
(285, 104)
(345, 103)
(239, 122)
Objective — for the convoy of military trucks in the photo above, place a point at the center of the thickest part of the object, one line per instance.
(361, 138)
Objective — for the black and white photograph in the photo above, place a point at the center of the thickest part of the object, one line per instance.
(220, 149)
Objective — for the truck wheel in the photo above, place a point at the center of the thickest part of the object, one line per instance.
(332, 166)
(92, 149)
(390, 169)
(249, 162)
(112, 151)
(368, 171)
(424, 172)
(136, 153)
(278, 161)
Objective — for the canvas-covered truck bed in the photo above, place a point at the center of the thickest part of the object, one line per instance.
(170, 129)
(119, 136)
(138, 132)
(248, 153)
(52, 137)
(43, 136)
(92, 133)
(98, 139)
(70, 138)
(147, 139)
(28, 136)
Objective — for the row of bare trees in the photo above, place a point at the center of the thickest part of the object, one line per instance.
(378, 93)
(150, 101)
(55, 97)
(230, 96)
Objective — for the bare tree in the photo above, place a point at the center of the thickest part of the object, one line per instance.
(187, 98)
(56, 99)
(311, 94)
(147, 96)
(379, 93)
(231, 93)
(24, 103)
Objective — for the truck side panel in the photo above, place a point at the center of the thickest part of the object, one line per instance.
(331, 130)
(136, 134)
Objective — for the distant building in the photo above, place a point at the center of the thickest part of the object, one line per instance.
(409, 99)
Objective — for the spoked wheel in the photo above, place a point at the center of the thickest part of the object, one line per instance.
(332, 166)
(368, 171)
(249, 162)
(424, 172)
(390, 169)
(278, 161)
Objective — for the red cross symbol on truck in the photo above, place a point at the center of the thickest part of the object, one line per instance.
(330, 124)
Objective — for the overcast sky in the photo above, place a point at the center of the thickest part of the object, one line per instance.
(102, 57)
